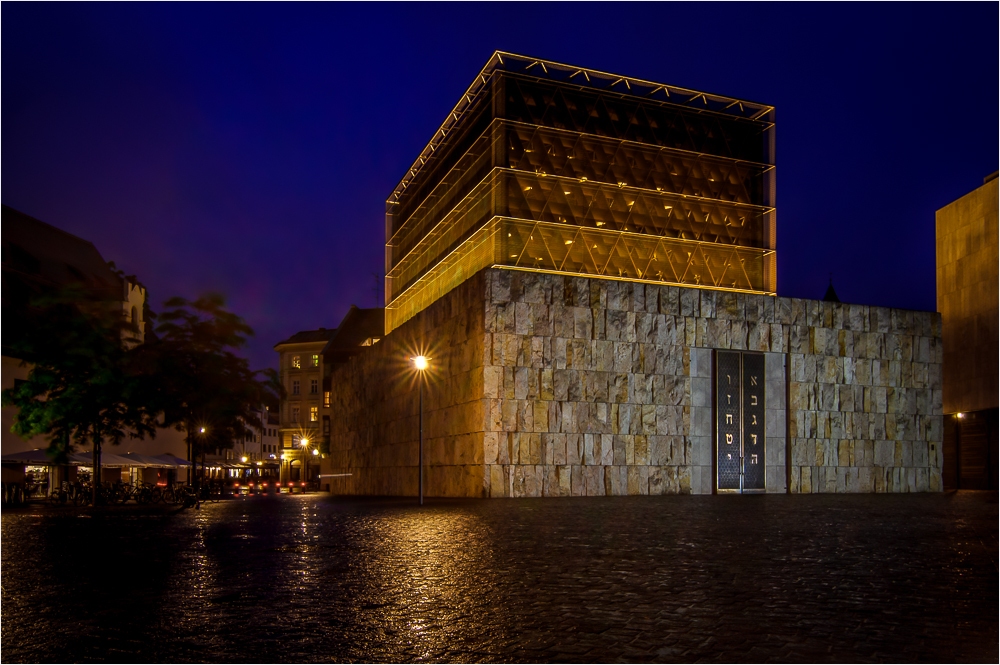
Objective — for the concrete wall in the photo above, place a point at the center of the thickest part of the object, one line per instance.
(551, 385)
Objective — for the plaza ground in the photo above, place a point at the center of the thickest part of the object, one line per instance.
(817, 578)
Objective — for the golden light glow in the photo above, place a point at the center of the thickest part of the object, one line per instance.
(304, 443)
(607, 254)
(420, 362)
(519, 178)
(244, 459)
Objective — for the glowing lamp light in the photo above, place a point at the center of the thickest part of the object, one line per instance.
(420, 362)
(315, 452)
(959, 415)
(202, 430)
(244, 459)
(304, 443)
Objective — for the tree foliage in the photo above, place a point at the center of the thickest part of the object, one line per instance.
(88, 386)
(84, 386)
(197, 380)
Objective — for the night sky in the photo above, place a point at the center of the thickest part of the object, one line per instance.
(249, 149)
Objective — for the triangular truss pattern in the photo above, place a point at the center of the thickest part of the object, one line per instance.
(580, 172)
(547, 246)
(546, 151)
(623, 208)
(588, 80)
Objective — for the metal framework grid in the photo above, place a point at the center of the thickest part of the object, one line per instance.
(559, 169)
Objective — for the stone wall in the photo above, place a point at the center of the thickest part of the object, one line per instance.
(374, 406)
(865, 393)
(552, 385)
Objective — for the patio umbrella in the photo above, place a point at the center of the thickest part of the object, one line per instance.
(36, 456)
(148, 460)
(172, 460)
(86, 458)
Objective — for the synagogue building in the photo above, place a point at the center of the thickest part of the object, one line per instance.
(589, 262)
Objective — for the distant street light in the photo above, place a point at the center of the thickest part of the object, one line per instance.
(305, 460)
(420, 363)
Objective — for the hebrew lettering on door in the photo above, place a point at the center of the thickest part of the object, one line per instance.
(739, 418)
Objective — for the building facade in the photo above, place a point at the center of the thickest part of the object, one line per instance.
(588, 261)
(305, 410)
(967, 297)
(40, 259)
(552, 385)
(546, 167)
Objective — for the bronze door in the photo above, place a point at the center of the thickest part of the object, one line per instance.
(739, 421)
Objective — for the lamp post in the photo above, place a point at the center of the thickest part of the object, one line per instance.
(193, 480)
(194, 468)
(305, 461)
(421, 364)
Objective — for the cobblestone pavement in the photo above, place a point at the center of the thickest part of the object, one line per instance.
(815, 578)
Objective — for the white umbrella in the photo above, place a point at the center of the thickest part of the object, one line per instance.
(36, 456)
(147, 460)
(107, 459)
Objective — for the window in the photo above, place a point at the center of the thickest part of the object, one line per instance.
(313, 386)
(295, 386)
(297, 362)
(315, 360)
(295, 414)
(313, 414)
(326, 398)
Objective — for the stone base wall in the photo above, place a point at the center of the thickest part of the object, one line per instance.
(374, 400)
(866, 399)
(550, 385)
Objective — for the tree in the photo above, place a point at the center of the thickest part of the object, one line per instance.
(197, 381)
(84, 384)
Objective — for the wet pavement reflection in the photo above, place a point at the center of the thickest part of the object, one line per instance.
(682, 578)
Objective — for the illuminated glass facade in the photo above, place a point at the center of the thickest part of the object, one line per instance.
(553, 168)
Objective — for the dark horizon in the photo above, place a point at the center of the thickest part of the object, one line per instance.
(249, 149)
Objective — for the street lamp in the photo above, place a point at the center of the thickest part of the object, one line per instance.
(420, 364)
(305, 460)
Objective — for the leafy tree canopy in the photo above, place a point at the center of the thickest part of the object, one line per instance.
(87, 386)
(196, 378)
(84, 385)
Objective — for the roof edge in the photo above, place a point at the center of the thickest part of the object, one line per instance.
(496, 61)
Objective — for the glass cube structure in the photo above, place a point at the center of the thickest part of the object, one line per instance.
(547, 167)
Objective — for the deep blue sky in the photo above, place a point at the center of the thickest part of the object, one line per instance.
(249, 149)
